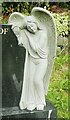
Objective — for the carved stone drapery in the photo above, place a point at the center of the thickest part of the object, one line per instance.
(37, 33)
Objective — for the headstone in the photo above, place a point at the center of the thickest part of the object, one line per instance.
(13, 58)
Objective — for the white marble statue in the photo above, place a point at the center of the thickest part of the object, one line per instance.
(37, 34)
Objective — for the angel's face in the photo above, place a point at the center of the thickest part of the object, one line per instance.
(31, 26)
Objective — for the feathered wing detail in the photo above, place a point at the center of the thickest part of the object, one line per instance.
(46, 21)
(16, 19)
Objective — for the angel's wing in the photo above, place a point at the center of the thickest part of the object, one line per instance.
(16, 19)
(46, 19)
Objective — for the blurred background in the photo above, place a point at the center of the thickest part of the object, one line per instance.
(58, 89)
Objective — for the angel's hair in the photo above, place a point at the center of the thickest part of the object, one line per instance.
(32, 19)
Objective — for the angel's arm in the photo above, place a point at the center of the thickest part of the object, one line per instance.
(21, 36)
(16, 30)
(40, 41)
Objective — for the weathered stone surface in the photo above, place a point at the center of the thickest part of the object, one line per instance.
(15, 113)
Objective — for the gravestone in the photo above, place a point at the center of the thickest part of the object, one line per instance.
(12, 58)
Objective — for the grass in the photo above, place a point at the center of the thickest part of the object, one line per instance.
(58, 88)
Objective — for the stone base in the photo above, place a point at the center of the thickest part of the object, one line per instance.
(49, 113)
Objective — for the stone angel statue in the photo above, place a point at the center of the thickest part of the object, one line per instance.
(37, 33)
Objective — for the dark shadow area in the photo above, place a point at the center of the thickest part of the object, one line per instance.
(13, 57)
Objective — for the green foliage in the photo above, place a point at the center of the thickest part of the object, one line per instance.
(58, 89)
(60, 61)
(61, 23)
(63, 4)
(26, 7)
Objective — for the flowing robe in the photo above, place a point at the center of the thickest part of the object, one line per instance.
(36, 62)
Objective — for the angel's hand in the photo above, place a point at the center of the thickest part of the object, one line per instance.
(16, 30)
(23, 25)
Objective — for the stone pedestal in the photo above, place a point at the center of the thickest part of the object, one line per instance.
(12, 113)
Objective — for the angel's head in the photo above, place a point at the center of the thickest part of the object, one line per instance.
(31, 27)
(31, 24)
